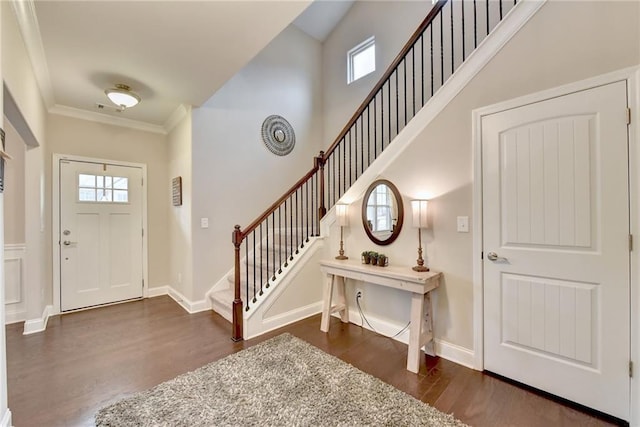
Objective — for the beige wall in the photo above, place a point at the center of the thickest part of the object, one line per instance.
(438, 164)
(179, 220)
(26, 110)
(72, 136)
(235, 177)
(392, 23)
(14, 186)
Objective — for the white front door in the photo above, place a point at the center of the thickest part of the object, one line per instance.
(556, 246)
(100, 234)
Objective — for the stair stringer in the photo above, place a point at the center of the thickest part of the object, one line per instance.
(257, 320)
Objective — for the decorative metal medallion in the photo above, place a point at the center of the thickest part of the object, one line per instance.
(278, 135)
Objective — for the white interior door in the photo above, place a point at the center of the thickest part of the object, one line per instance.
(100, 234)
(556, 216)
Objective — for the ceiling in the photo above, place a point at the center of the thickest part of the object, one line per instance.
(172, 53)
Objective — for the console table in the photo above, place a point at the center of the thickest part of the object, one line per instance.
(399, 277)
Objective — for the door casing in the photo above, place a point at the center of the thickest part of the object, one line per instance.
(632, 77)
(55, 229)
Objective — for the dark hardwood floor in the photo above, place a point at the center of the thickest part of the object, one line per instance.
(86, 360)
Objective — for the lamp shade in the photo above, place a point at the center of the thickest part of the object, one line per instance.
(122, 96)
(342, 215)
(419, 211)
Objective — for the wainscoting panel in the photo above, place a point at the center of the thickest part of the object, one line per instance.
(15, 304)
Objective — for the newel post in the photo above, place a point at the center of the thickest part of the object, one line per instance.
(237, 299)
(320, 161)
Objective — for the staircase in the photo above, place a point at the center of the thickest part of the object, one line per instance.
(265, 250)
(278, 252)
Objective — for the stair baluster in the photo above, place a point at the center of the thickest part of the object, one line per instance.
(334, 171)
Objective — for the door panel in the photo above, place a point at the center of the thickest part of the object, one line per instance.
(101, 234)
(556, 213)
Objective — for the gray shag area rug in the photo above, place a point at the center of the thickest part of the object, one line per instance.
(281, 382)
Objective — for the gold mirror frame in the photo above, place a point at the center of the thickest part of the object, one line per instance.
(365, 220)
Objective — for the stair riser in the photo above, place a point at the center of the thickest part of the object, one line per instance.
(223, 308)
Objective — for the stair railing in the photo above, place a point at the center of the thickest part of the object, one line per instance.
(442, 42)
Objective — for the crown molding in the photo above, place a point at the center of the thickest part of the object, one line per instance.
(27, 19)
(25, 12)
(77, 113)
(177, 116)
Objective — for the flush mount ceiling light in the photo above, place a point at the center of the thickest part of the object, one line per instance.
(122, 96)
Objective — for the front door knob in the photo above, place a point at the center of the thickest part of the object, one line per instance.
(492, 256)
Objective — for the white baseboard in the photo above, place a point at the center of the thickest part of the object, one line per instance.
(452, 352)
(6, 419)
(280, 320)
(455, 353)
(15, 317)
(32, 326)
(189, 306)
(158, 291)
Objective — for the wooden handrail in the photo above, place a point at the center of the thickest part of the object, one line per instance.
(315, 204)
(255, 224)
(324, 156)
(387, 74)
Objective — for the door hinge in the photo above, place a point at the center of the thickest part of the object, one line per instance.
(143, 283)
(628, 116)
(630, 242)
(143, 232)
(482, 255)
(630, 369)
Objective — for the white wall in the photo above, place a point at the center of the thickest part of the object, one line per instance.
(26, 109)
(78, 137)
(14, 186)
(392, 23)
(438, 164)
(5, 414)
(180, 227)
(235, 177)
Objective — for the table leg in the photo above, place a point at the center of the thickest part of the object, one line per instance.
(429, 347)
(415, 332)
(342, 299)
(326, 303)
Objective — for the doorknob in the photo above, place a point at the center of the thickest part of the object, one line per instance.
(67, 243)
(492, 256)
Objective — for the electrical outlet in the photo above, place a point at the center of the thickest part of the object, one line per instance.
(359, 294)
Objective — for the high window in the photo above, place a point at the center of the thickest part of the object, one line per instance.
(361, 60)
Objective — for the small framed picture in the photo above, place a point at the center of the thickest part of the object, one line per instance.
(176, 191)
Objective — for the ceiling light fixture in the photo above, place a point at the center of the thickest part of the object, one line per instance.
(122, 96)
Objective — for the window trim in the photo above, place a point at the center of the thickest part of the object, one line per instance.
(352, 53)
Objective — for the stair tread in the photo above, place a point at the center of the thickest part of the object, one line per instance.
(223, 294)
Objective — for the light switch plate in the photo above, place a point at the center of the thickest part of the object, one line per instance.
(463, 224)
(204, 222)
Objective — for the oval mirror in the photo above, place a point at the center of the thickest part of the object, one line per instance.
(382, 212)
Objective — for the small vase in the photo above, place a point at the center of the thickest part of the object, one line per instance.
(366, 259)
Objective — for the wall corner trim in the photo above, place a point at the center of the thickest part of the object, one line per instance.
(190, 307)
(32, 326)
